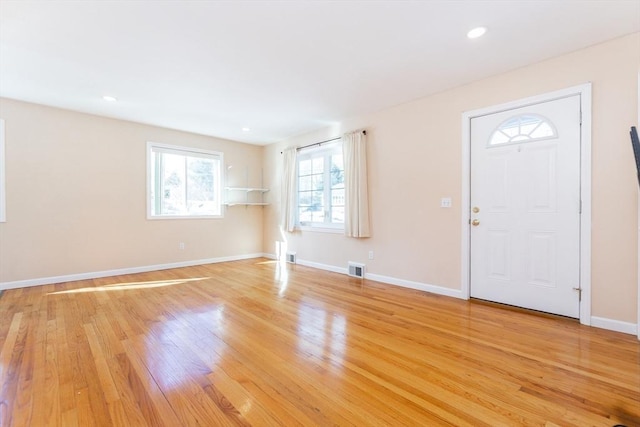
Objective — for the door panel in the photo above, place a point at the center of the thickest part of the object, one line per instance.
(497, 183)
(542, 185)
(498, 251)
(542, 256)
(525, 186)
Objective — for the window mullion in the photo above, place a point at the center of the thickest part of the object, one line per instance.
(327, 188)
(186, 187)
(159, 182)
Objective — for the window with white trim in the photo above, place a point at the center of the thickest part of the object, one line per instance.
(183, 182)
(321, 187)
(3, 211)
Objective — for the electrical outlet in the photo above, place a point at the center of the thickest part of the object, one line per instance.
(445, 202)
(181, 246)
(370, 254)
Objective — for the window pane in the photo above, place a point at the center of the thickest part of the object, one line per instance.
(318, 165)
(510, 132)
(173, 185)
(321, 188)
(304, 184)
(3, 199)
(200, 196)
(304, 198)
(310, 206)
(543, 131)
(304, 167)
(318, 182)
(499, 138)
(304, 214)
(317, 200)
(318, 216)
(337, 170)
(524, 128)
(183, 184)
(337, 195)
(337, 215)
(337, 204)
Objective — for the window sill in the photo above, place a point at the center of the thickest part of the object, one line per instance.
(160, 217)
(329, 230)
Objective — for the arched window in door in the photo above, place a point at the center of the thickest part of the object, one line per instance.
(522, 128)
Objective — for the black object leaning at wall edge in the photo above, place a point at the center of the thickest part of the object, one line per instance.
(636, 148)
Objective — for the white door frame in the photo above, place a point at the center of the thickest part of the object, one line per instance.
(638, 306)
(584, 91)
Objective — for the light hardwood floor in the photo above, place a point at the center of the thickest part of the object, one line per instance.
(257, 343)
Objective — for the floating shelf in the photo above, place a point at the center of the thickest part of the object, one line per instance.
(247, 189)
(257, 199)
(246, 204)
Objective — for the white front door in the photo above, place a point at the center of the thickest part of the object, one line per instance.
(525, 207)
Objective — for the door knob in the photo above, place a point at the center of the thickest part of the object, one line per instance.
(475, 222)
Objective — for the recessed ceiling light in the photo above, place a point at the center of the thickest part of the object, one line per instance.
(109, 98)
(476, 32)
(246, 130)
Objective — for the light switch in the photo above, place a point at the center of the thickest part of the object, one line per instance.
(445, 202)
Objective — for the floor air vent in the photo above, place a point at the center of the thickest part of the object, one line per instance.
(291, 257)
(356, 270)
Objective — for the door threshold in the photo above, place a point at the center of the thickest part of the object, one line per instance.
(521, 309)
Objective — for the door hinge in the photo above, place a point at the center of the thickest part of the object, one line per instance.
(579, 293)
(580, 117)
(580, 209)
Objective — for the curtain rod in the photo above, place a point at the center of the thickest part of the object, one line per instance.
(321, 142)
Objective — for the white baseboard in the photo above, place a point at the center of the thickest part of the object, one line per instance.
(614, 325)
(598, 322)
(456, 293)
(327, 267)
(434, 289)
(117, 272)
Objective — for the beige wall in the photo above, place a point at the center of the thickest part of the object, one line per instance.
(415, 159)
(76, 188)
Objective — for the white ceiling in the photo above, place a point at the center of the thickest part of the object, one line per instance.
(281, 68)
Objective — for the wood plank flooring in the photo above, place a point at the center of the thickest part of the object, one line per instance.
(263, 344)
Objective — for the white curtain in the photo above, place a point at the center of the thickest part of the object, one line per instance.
(354, 152)
(289, 188)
